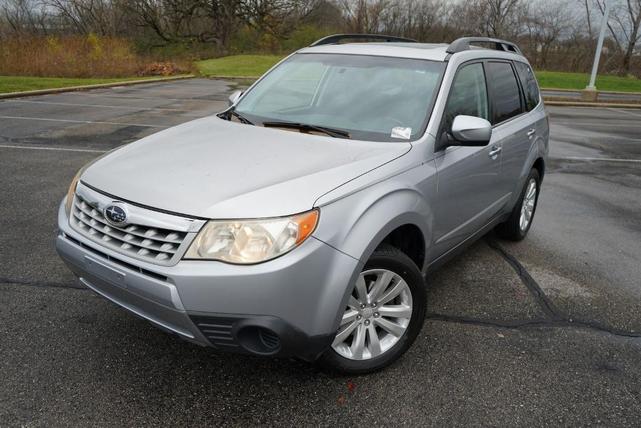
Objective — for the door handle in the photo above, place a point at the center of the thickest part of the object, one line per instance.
(495, 152)
(531, 133)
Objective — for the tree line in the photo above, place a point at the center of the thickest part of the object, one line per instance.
(554, 34)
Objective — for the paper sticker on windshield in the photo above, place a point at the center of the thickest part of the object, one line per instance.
(402, 133)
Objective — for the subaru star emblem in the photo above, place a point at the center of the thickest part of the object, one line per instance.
(116, 214)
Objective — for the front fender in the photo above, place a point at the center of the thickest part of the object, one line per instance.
(358, 223)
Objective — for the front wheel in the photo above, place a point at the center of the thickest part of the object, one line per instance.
(383, 316)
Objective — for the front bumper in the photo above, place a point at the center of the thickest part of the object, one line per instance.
(289, 306)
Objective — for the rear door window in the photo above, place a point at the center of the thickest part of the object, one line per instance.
(530, 87)
(505, 93)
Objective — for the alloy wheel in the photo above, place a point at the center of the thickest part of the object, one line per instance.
(377, 315)
(527, 208)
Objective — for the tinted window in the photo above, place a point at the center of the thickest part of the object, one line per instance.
(506, 98)
(530, 87)
(468, 95)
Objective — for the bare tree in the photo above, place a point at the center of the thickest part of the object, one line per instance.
(501, 18)
(625, 29)
(547, 24)
(554, 34)
(422, 20)
(364, 16)
(23, 16)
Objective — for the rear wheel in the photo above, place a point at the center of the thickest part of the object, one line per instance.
(518, 224)
(383, 316)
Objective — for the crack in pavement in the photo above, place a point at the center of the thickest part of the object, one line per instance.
(554, 317)
(532, 323)
(533, 287)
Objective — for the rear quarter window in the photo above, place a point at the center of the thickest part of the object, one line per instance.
(505, 93)
(529, 84)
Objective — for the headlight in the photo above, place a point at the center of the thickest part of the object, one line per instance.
(72, 190)
(251, 241)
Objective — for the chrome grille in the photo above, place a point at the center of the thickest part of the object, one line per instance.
(153, 244)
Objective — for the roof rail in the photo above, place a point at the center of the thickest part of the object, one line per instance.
(463, 44)
(337, 38)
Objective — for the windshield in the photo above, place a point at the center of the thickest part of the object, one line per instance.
(371, 98)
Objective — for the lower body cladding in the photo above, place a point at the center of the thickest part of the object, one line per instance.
(289, 306)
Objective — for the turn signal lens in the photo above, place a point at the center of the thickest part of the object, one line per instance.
(252, 241)
(306, 225)
(72, 190)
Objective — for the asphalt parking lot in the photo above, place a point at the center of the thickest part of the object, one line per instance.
(543, 332)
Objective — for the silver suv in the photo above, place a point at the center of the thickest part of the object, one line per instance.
(303, 220)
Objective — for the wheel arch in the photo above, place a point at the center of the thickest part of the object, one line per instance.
(539, 165)
(535, 159)
(378, 219)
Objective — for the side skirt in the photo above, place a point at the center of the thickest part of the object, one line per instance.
(436, 264)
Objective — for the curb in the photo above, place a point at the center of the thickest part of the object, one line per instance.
(588, 104)
(599, 91)
(88, 87)
(233, 77)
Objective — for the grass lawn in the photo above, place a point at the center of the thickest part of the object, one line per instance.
(21, 83)
(237, 65)
(256, 65)
(555, 80)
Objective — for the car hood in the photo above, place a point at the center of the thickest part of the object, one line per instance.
(213, 168)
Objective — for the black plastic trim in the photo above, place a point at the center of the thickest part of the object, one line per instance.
(337, 38)
(464, 44)
(147, 207)
(222, 331)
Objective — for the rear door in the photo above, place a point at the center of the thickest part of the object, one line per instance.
(531, 126)
(512, 126)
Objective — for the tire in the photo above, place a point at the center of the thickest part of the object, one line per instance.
(512, 229)
(386, 262)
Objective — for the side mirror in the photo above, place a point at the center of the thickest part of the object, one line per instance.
(471, 131)
(234, 97)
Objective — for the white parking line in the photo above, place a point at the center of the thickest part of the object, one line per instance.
(625, 111)
(600, 159)
(82, 121)
(103, 106)
(57, 149)
(615, 122)
(141, 97)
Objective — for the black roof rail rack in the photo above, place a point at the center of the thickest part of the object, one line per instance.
(463, 44)
(337, 38)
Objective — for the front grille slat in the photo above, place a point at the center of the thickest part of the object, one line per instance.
(117, 234)
(133, 229)
(152, 244)
(117, 261)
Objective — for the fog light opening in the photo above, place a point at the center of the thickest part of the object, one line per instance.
(259, 340)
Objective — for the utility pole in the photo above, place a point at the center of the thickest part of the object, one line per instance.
(591, 92)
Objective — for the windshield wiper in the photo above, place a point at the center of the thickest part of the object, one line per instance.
(232, 112)
(332, 132)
